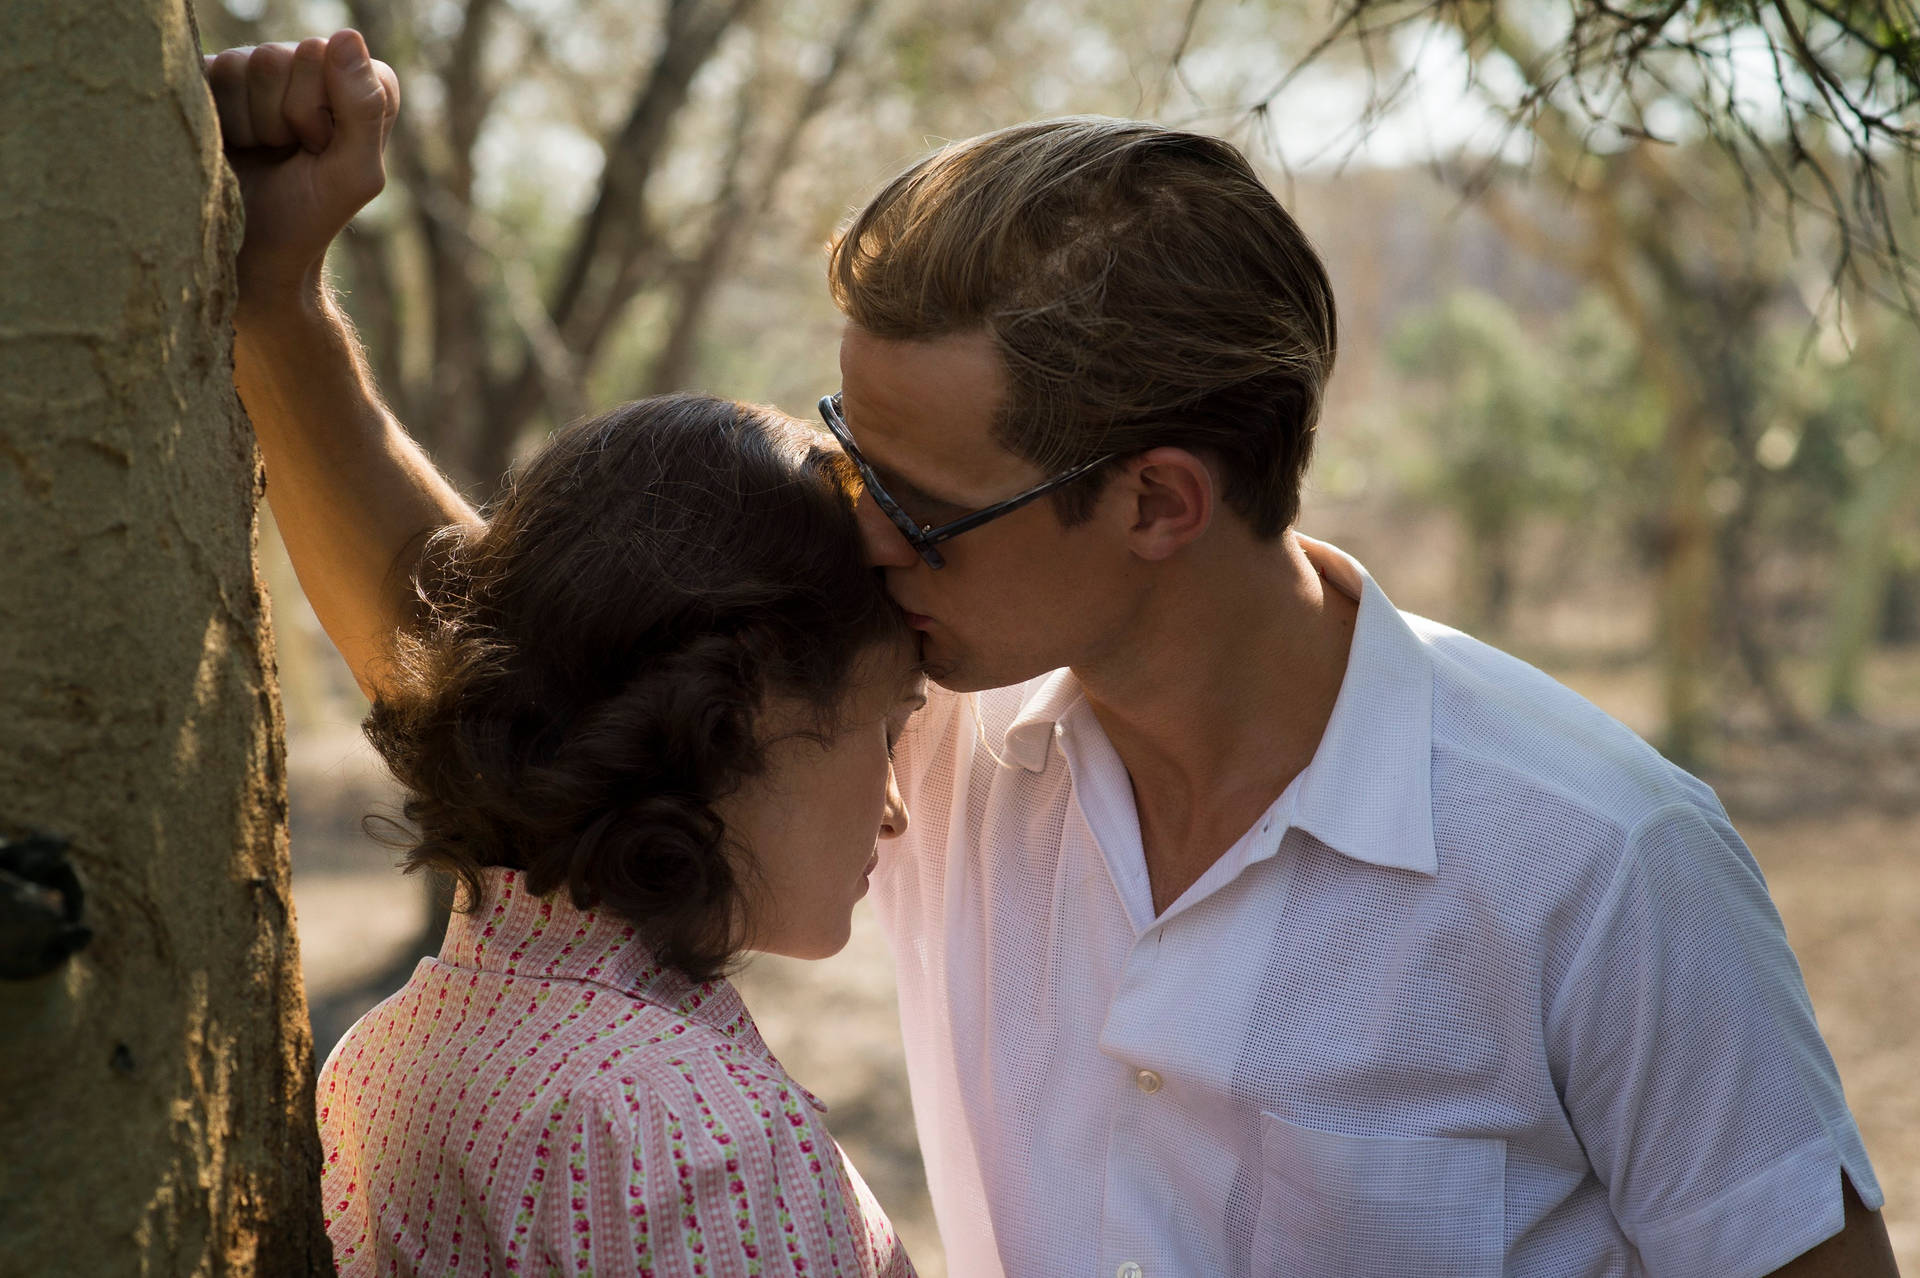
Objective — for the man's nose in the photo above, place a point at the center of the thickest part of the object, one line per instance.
(886, 547)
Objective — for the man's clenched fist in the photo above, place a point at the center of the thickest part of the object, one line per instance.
(306, 128)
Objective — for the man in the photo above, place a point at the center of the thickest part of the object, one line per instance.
(1248, 926)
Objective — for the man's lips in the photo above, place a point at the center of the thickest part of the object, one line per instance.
(917, 620)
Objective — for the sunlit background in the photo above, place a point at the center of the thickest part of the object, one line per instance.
(1610, 394)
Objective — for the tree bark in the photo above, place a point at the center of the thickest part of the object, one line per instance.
(156, 1087)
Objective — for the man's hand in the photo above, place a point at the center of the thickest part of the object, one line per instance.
(306, 129)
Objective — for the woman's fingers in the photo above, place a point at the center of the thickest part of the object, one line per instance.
(269, 67)
(305, 108)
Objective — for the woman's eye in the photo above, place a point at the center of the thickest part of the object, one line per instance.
(897, 723)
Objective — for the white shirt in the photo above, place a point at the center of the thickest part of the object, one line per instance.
(1491, 988)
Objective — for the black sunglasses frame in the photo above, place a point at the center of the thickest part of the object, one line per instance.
(925, 537)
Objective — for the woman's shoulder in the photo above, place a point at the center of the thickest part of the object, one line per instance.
(554, 1037)
(711, 1159)
(690, 1062)
(706, 1095)
(504, 1061)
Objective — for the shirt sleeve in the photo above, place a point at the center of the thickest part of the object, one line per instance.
(1691, 1066)
(633, 1185)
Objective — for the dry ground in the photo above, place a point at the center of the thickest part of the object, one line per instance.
(1836, 826)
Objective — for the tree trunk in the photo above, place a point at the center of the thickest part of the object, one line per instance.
(1863, 570)
(156, 1086)
(1686, 585)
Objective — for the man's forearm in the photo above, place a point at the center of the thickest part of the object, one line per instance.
(354, 496)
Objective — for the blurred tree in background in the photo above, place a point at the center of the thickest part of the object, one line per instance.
(1815, 103)
(1867, 414)
(1497, 436)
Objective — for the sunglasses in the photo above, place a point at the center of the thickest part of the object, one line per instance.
(924, 538)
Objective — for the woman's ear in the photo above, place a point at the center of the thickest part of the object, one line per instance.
(1170, 501)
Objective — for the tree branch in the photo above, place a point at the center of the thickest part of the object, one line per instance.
(1857, 76)
(611, 234)
(614, 251)
(696, 280)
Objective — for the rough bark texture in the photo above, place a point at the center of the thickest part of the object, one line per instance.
(156, 1107)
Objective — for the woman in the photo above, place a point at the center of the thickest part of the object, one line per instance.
(646, 720)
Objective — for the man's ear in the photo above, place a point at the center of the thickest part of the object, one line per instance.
(1170, 501)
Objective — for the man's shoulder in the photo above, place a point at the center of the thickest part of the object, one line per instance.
(1515, 744)
(1543, 805)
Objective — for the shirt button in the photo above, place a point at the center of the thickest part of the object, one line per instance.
(1129, 1270)
(1148, 1082)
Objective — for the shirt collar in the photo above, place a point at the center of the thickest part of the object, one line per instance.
(1029, 736)
(1368, 792)
(517, 933)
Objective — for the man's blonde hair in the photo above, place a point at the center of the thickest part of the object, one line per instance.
(1142, 285)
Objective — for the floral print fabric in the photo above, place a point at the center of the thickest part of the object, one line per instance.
(543, 1098)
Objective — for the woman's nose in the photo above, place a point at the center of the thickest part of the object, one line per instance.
(893, 817)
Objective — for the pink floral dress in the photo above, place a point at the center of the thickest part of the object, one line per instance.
(543, 1098)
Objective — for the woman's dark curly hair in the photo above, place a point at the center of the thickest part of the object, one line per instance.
(587, 671)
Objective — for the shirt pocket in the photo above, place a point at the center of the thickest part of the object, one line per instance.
(1378, 1206)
